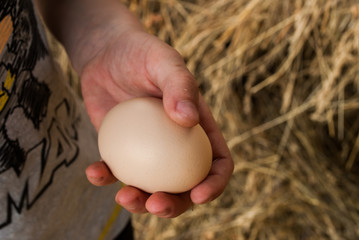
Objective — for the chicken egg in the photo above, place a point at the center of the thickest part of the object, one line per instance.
(144, 148)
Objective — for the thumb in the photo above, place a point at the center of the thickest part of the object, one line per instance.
(180, 99)
(179, 88)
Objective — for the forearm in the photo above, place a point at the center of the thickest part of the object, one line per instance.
(85, 26)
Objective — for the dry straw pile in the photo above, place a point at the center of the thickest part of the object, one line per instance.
(282, 79)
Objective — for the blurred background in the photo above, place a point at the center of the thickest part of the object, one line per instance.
(282, 80)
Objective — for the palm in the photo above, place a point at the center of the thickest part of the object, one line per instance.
(117, 75)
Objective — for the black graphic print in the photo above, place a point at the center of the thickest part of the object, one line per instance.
(37, 130)
(34, 107)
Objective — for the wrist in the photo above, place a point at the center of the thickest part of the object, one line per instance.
(93, 41)
(85, 27)
(100, 32)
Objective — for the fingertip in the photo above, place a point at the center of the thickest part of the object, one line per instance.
(158, 204)
(93, 175)
(202, 194)
(167, 205)
(181, 98)
(187, 113)
(211, 188)
(132, 199)
(125, 196)
(99, 175)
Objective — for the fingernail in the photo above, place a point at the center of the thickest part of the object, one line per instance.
(187, 109)
(133, 205)
(161, 212)
(97, 180)
(164, 213)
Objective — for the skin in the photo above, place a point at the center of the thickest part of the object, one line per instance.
(118, 60)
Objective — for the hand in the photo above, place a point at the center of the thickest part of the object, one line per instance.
(138, 64)
(117, 61)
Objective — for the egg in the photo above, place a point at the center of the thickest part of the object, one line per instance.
(144, 148)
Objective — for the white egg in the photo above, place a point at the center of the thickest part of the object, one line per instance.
(144, 148)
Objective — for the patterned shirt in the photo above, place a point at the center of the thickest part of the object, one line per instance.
(46, 142)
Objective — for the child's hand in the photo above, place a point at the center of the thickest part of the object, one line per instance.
(118, 60)
(142, 65)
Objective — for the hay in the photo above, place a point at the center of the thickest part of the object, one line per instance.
(281, 78)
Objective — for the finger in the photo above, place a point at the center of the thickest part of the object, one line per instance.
(99, 174)
(167, 205)
(222, 166)
(132, 199)
(215, 183)
(180, 99)
(180, 90)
